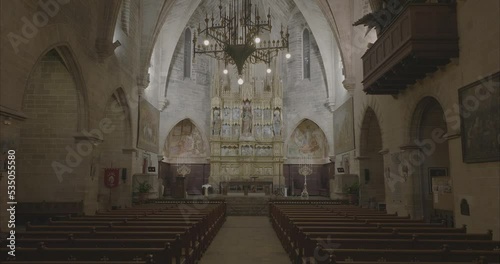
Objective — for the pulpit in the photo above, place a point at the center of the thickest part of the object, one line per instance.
(180, 187)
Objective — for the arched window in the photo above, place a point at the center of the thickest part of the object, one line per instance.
(187, 53)
(125, 16)
(306, 54)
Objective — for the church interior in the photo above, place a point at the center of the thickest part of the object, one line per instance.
(249, 131)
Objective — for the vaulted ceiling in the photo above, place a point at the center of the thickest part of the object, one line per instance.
(329, 20)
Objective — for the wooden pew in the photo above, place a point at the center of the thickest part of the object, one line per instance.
(344, 234)
(187, 248)
(375, 235)
(147, 261)
(72, 242)
(388, 255)
(398, 243)
(66, 227)
(159, 255)
(90, 227)
(173, 234)
(380, 229)
(41, 211)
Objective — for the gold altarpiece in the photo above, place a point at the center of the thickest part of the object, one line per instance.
(246, 140)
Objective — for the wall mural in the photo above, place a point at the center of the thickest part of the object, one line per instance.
(185, 140)
(307, 140)
(343, 125)
(149, 125)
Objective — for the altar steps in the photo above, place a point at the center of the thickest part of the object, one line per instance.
(247, 206)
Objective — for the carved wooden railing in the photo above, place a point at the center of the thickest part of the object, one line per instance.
(422, 38)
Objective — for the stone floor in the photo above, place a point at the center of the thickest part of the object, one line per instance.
(246, 240)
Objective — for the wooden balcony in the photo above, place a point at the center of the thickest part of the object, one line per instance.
(422, 38)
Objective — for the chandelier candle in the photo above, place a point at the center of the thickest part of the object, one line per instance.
(233, 36)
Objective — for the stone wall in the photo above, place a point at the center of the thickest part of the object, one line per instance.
(51, 105)
(70, 105)
(188, 98)
(304, 98)
(479, 183)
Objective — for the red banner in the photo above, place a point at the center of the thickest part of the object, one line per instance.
(111, 177)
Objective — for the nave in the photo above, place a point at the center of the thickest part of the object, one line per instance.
(246, 240)
(187, 232)
(114, 114)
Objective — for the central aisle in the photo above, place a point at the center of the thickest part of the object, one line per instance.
(246, 239)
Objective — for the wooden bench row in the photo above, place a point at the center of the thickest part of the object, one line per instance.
(324, 233)
(41, 211)
(178, 233)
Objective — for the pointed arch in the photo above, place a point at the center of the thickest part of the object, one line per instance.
(371, 162)
(67, 57)
(119, 104)
(307, 140)
(125, 16)
(185, 140)
(306, 54)
(117, 136)
(188, 60)
(428, 128)
(52, 100)
(421, 109)
(370, 130)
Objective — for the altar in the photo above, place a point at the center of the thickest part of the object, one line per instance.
(246, 187)
(246, 138)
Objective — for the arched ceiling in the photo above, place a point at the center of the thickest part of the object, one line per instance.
(330, 28)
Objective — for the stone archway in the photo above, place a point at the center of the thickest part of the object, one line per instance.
(185, 145)
(51, 165)
(427, 132)
(307, 144)
(111, 153)
(371, 161)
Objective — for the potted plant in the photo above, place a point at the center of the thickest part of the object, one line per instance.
(352, 192)
(143, 189)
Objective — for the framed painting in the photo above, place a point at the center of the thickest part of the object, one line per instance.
(480, 125)
(149, 124)
(343, 124)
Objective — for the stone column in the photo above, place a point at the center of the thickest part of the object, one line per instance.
(411, 170)
(89, 169)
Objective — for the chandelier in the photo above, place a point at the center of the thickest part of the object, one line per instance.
(234, 37)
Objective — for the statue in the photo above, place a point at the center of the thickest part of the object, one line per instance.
(216, 123)
(277, 123)
(247, 120)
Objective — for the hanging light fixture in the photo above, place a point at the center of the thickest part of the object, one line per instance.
(234, 37)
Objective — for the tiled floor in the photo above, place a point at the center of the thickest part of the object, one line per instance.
(246, 240)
